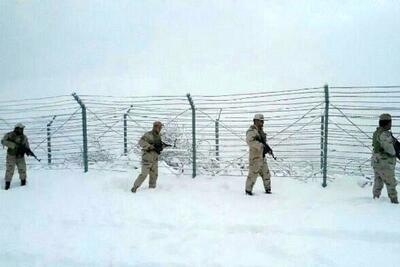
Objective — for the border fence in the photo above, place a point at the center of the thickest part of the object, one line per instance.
(316, 133)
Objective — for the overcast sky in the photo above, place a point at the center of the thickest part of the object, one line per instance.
(203, 47)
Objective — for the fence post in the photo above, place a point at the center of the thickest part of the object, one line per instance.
(84, 132)
(193, 134)
(322, 144)
(49, 140)
(326, 90)
(126, 130)
(217, 135)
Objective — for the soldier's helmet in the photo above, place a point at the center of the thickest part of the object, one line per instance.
(258, 117)
(19, 125)
(385, 117)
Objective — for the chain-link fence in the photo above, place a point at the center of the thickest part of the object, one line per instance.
(207, 132)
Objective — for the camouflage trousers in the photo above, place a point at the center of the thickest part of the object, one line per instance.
(387, 177)
(148, 168)
(256, 168)
(11, 162)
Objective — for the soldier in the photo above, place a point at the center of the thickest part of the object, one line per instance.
(152, 146)
(384, 159)
(256, 140)
(17, 143)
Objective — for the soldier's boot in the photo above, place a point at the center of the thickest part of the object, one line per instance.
(152, 186)
(133, 190)
(394, 200)
(249, 193)
(23, 182)
(7, 185)
(268, 191)
(376, 196)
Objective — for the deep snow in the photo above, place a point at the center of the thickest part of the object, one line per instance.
(67, 218)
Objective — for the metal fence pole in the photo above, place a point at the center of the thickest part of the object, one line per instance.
(84, 132)
(193, 134)
(49, 140)
(322, 144)
(126, 130)
(325, 167)
(217, 136)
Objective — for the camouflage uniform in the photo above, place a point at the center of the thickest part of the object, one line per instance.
(12, 141)
(384, 163)
(257, 162)
(149, 159)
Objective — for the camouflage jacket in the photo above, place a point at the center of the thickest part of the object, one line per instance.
(256, 147)
(148, 142)
(384, 154)
(12, 141)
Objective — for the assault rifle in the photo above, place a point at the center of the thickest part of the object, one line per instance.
(396, 147)
(158, 147)
(22, 150)
(267, 148)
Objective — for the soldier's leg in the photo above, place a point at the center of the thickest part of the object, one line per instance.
(388, 177)
(153, 175)
(21, 165)
(10, 167)
(266, 177)
(254, 170)
(378, 184)
(142, 176)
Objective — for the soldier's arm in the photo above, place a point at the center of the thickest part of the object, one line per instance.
(7, 143)
(387, 143)
(144, 143)
(27, 143)
(251, 140)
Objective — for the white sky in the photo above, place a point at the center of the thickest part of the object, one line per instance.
(201, 47)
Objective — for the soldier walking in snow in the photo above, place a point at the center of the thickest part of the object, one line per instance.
(152, 146)
(17, 146)
(256, 140)
(384, 159)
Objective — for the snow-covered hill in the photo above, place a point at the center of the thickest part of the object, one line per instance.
(67, 218)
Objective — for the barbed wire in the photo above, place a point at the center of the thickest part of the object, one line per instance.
(116, 123)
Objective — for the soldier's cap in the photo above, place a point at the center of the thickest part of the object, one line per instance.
(258, 117)
(19, 125)
(385, 117)
(156, 123)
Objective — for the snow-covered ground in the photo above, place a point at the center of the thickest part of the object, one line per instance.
(67, 218)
